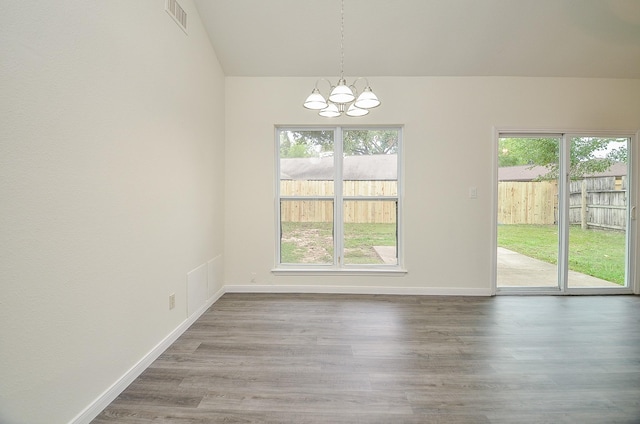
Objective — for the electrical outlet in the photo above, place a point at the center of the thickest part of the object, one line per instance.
(172, 300)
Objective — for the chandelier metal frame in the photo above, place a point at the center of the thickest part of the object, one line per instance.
(343, 97)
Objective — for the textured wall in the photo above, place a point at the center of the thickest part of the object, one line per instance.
(111, 190)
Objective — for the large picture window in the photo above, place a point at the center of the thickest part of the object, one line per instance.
(338, 198)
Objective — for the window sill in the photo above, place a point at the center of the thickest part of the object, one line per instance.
(342, 271)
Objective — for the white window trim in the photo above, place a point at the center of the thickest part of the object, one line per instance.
(337, 268)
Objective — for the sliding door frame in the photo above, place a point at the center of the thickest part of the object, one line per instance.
(632, 255)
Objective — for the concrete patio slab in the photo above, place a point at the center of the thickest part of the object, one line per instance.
(387, 254)
(516, 270)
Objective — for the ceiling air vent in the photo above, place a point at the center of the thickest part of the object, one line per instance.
(177, 13)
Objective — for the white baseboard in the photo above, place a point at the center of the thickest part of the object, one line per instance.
(411, 291)
(98, 405)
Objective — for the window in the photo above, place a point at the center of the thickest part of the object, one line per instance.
(338, 198)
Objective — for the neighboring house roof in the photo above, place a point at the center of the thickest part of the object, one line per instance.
(384, 167)
(529, 172)
(355, 168)
(521, 172)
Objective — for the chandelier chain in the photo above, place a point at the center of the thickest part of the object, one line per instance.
(342, 39)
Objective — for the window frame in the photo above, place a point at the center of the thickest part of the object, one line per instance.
(338, 199)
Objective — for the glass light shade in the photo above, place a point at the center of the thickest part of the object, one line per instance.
(341, 93)
(330, 111)
(315, 101)
(367, 99)
(356, 111)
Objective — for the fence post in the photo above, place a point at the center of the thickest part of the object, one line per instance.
(583, 211)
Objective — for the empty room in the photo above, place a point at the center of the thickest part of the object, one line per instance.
(319, 211)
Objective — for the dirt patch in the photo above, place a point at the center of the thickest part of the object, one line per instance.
(312, 245)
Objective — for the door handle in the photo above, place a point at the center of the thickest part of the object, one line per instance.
(633, 213)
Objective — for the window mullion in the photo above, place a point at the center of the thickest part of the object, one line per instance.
(564, 160)
(338, 226)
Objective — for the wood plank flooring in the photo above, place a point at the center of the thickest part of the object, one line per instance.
(286, 358)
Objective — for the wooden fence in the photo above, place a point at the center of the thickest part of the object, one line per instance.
(599, 203)
(355, 211)
(593, 202)
(530, 202)
(349, 188)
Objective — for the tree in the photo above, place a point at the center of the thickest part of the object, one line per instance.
(588, 155)
(370, 142)
(304, 144)
(300, 144)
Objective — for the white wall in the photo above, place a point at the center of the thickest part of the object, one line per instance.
(111, 190)
(448, 147)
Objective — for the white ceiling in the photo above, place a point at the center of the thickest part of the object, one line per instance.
(548, 38)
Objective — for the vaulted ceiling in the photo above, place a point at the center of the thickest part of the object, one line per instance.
(546, 38)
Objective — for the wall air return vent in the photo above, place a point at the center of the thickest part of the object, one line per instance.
(178, 14)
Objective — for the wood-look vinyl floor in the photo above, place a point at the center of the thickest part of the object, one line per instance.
(285, 358)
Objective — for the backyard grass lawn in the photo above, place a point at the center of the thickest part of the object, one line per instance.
(312, 242)
(593, 252)
(359, 240)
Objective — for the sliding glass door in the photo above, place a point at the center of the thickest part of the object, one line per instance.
(598, 197)
(563, 213)
(527, 218)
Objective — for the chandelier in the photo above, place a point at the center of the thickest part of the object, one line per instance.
(343, 98)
